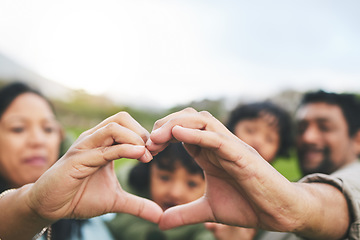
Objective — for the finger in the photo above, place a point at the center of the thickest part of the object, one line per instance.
(162, 121)
(197, 137)
(137, 206)
(211, 226)
(146, 157)
(89, 161)
(124, 119)
(190, 213)
(155, 148)
(164, 133)
(97, 149)
(160, 137)
(226, 146)
(110, 134)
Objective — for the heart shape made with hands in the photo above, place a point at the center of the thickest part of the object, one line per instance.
(214, 148)
(89, 187)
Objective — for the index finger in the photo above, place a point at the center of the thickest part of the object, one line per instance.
(159, 123)
(124, 119)
(156, 147)
(188, 118)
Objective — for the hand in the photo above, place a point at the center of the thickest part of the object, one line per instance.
(82, 184)
(226, 232)
(241, 185)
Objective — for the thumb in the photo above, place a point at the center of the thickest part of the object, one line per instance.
(194, 212)
(138, 206)
(211, 226)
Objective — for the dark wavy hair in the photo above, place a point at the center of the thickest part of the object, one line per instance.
(348, 103)
(254, 110)
(62, 229)
(139, 177)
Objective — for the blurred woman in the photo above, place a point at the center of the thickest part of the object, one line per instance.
(30, 138)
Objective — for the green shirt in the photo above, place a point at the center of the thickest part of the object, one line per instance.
(129, 227)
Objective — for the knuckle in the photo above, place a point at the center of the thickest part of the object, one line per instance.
(111, 126)
(158, 123)
(123, 114)
(205, 114)
(189, 110)
(85, 133)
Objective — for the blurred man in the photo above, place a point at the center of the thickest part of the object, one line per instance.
(242, 189)
(328, 140)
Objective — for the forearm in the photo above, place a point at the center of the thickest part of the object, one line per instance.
(271, 196)
(312, 210)
(327, 216)
(18, 220)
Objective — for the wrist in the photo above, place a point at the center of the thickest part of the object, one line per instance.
(22, 222)
(32, 206)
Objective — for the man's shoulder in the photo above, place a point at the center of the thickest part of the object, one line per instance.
(350, 173)
(351, 168)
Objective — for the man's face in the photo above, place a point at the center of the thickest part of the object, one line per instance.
(323, 140)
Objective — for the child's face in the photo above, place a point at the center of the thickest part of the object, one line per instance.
(262, 134)
(169, 189)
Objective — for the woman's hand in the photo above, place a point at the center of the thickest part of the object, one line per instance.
(82, 184)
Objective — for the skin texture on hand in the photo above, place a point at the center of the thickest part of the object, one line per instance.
(89, 186)
(242, 188)
(82, 184)
(226, 232)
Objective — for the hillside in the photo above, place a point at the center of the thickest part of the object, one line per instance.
(10, 70)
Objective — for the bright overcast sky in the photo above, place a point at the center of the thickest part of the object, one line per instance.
(171, 52)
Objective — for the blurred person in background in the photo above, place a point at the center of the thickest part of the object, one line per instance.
(170, 179)
(243, 189)
(30, 139)
(268, 129)
(327, 136)
(327, 139)
(265, 126)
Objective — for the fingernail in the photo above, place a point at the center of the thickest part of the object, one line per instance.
(148, 142)
(138, 146)
(155, 131)
(147, 157)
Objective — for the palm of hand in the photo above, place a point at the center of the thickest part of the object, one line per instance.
(223, 201)
(89, 187)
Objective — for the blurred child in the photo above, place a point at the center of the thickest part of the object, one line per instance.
(268, 129)
(171, 178)
(264, 126)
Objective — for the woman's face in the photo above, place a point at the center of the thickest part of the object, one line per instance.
(30, 139)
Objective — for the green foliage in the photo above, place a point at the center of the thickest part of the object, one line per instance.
(146, 117)
(215, 107)
(288, 167)
(83, 111)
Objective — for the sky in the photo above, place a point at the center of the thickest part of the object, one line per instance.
(171, 52)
